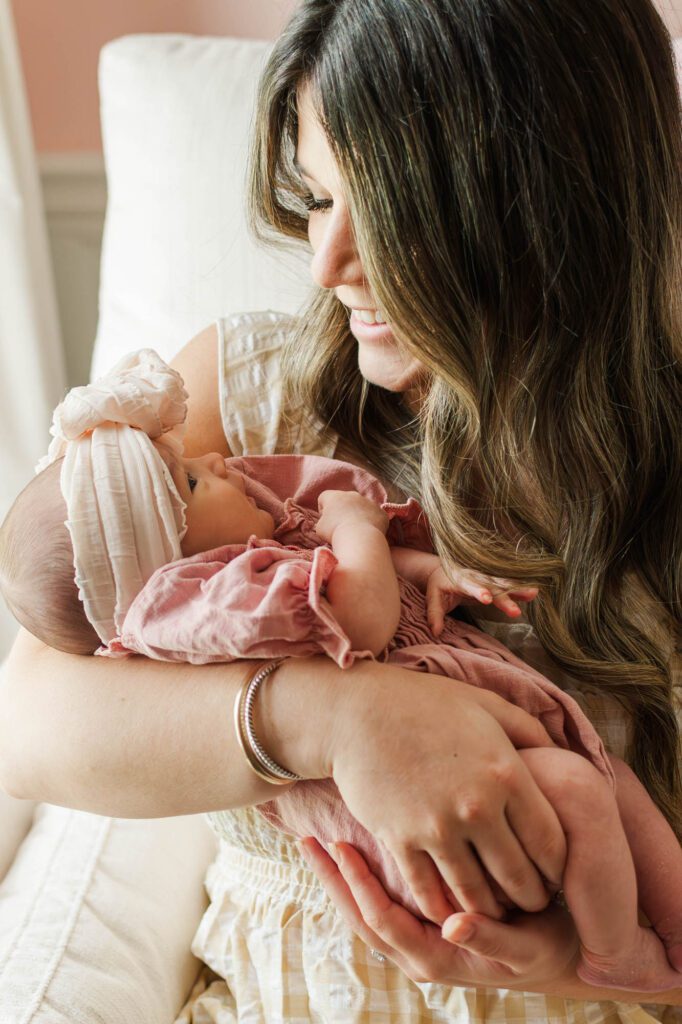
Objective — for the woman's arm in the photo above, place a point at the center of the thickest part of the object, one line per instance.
(137, 738)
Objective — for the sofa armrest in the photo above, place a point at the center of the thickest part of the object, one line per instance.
(97, 918)
(16, 818)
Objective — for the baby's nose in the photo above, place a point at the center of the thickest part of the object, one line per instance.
(216, 463)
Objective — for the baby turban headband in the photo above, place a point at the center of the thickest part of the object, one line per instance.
(125, 515)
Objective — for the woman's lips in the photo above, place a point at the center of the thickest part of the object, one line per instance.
(369, 332)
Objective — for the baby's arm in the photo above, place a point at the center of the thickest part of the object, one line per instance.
(363, 588)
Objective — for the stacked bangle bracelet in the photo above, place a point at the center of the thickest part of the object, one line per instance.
(261, 762)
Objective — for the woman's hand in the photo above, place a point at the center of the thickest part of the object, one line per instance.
(347, 508)
(439, 782)
(530, 953)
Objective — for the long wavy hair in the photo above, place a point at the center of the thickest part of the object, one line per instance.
(512, 171)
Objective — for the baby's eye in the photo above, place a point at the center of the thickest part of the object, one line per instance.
(191, 482)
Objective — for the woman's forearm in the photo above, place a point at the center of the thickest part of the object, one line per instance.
(140, 738)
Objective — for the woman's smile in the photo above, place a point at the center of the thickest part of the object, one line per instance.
(369, 332)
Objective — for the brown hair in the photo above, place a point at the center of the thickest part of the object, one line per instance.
(37, 570)
(512, 172)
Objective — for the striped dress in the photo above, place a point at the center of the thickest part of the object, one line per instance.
(274, 946)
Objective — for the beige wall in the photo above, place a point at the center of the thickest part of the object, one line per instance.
(60, 41)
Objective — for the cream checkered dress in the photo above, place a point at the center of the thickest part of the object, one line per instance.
(276, 949)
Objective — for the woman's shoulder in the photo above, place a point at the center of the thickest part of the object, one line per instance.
(237, 405)
(197, 363)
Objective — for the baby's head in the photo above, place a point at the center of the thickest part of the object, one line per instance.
(115, 501)
(36, 567)
(37, 576)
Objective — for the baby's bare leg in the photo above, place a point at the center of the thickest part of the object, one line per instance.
(657, 856)
(599, 878)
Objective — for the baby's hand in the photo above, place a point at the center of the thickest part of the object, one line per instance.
(444, 593)
(343, 508)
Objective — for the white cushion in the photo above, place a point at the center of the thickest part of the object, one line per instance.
(16, 818)
(176, 113)
(96, 918)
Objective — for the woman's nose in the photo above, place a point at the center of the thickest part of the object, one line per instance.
(335, 261)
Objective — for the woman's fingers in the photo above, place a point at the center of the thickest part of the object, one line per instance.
(531, 945)
(425, 952)
(336, 888)
(539, 830)
(425, 883)
(498, 943)
(463, 874)
(522, 729)
(513, 870)
(367, 908)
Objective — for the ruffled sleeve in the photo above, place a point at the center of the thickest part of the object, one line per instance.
(408, 526)
(262, 600)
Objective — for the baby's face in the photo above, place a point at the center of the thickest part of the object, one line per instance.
(218, 508)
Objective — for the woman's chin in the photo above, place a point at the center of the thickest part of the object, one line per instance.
(384, 366)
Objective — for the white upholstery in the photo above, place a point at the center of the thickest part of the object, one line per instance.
(176, 113)
(16, 818)
(97, 915)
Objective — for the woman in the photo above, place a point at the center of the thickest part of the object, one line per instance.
(496, 178)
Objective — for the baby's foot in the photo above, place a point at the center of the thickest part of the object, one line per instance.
(642, 968)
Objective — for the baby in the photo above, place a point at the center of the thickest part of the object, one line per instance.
(258, 580)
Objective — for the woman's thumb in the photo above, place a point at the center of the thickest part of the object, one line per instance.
(484, 937)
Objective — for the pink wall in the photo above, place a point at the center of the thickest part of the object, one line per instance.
(60, 41)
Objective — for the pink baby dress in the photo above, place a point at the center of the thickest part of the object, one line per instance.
(266, 599)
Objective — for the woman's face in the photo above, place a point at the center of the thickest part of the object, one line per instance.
(336, 263)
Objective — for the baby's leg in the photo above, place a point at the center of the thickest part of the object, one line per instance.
(599, 878)
(657, 856)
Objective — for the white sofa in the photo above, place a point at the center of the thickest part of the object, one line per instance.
(97, 914)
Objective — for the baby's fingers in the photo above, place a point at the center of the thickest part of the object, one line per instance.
(435, 613)
(439, 602)
(506, 603)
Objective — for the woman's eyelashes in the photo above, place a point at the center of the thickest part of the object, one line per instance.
(191, 482)
(314, 205)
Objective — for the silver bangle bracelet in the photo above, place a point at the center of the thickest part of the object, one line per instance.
(247, 720)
